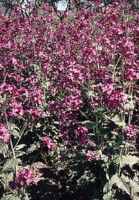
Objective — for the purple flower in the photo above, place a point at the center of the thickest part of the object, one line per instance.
(131, 74)
(81, 133)
(4, 134)
(115, 99)
(73, 102)
(130, 131)
(92, 155)
(47, 141)
(16, 109)
(107, 88)
(26, 177)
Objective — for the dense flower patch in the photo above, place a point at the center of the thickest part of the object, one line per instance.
(68, 93)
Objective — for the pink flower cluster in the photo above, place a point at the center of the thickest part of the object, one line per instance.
(48, 142)
(116, 99)
(4, 134)
(26, 177)
(96, 51)
(19, 79)
(92, 155)
(130, 131)
(76, 78)
(82, 133)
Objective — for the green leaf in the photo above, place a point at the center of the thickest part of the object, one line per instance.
(19, 147)
(10, 165)
(15, 131)
(118, 121)
(89, 124)
(5, 179)
(4, 149)
(10, 197)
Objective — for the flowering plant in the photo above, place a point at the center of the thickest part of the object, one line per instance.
(76, 80)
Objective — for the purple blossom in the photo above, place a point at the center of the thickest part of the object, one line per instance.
(26, 177)
(82, 134)
(92, 155)
(115, 99)
(4, 134)
(47, 141)
(73, 102)
(131, 74)
(130, 131)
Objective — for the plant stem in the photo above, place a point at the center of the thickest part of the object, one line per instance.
(11, 144)
(22, 132)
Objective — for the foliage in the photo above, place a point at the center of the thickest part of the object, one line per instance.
(68, 100)
(124, 185)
